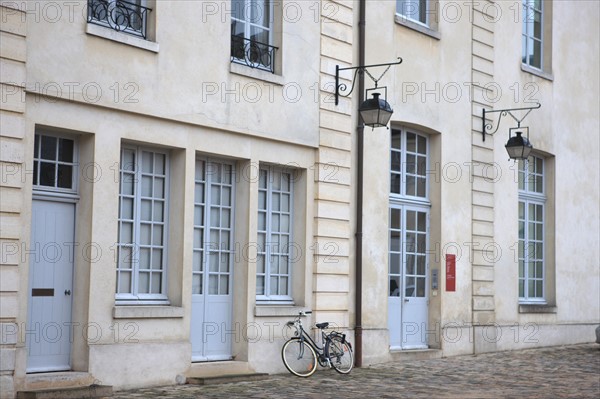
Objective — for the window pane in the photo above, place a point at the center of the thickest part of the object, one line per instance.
(156, 283)
(213, 284)
(396, 139)
(395, 216)
(159, 164)
(147, 162)
(157, 261)
(144, 258)
(537, 54)
(126, 211)
(65, 150)
(157, 235)
(260, 285)
(145, 234)
(146, 186)
(144, 282)
(159, 188)
(126, 233)
(146, 211)
(158, 211)
(395, 286)
(65, 176)
(47, 174)
(49, 148)
(394, 264)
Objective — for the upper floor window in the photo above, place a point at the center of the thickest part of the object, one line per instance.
(54, 163)
(415, 10)
(123, 16)
(252, 34)
(408, 172)
(533, 33)
(532, 203)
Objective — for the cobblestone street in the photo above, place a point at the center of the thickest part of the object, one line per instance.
(559, 372)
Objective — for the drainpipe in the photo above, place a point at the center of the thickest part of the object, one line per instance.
(359, 188)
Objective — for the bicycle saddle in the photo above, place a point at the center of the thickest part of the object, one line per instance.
(322, 325)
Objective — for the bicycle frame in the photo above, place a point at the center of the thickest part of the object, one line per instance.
(304, 336)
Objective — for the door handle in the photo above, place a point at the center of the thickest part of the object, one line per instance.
(67, 292)
(406, 299)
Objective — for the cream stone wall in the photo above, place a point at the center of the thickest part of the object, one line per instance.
(568, 92)
(179, 91)
(13, 210)
(477, 48)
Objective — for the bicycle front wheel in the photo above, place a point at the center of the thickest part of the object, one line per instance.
(299, 357)
(340, 354)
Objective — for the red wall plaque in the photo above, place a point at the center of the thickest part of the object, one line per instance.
(450, 272)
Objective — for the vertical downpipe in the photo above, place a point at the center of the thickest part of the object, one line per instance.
(359, 187)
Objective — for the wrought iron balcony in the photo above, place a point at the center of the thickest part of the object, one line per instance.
(252, 53)
(122, 16)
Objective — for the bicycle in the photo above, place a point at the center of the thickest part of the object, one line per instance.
(301, 353)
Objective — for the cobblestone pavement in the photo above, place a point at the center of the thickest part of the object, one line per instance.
(559, 372)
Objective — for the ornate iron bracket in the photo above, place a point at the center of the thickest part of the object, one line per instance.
(339, 87)
(487, 127)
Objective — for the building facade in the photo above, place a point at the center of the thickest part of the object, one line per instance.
(178, 182)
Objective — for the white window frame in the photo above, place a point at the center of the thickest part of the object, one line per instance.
(537, 198)
(266, 251)
(529, 11)
(74, 164)
(402, 6)
(404, 175)
(248, 24)
(202, 225)
(404, 203)
(135, 297)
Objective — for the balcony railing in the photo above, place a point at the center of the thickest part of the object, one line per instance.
(121, 16)
(252, 53)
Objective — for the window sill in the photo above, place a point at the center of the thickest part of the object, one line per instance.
(278, 310)
(120, 37)
(400, 20)
(541, 308)
(254, 73)
(537, 72)
(147, 312)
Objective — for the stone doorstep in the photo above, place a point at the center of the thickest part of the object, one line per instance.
(218, 369)
(79, 392)
(225, 379)
(61, 379)
(415, 354)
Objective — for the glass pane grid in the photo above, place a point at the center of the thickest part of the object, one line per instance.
(532, 33)
(142, 222)
(408, 168)
(54, 162)
(213, 252)
(531, 250)
(275, 222)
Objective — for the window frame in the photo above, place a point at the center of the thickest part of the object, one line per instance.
(248, 25)
(531, 197)
(207, 246)
(405, 203)
(135, 297)
(528, 8)
(266, 253)
(424, 7)
(402, 195)
(37, 160)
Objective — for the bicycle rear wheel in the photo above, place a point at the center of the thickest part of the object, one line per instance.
(299, 357)
(340, 354)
